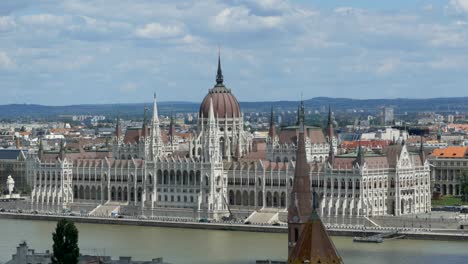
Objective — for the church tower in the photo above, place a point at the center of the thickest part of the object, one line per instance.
(300, 205)
(308, 240)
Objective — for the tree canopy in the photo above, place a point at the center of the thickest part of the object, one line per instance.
(65, 247)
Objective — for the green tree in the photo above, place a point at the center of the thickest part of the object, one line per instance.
(65, 248)
(464, 185)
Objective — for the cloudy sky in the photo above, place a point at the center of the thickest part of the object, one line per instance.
(60, 52)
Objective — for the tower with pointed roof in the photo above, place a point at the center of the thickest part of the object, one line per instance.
(272, 130)
(360, 158)
(299, 208)
(235, 142)
(156, 140)
(118, 131)
(308, 240)
(422, 154)
(330, 133)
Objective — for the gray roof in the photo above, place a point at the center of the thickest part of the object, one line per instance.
(9, 154)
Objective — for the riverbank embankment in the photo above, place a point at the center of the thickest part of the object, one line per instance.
(409, 233)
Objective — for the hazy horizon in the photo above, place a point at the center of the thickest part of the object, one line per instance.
(259, 101)
(80, 52)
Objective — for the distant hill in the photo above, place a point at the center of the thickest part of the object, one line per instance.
(12, 111)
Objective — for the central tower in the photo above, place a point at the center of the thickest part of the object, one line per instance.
(233, 142)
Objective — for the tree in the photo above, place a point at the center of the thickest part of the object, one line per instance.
(65, 248)
(464, 185)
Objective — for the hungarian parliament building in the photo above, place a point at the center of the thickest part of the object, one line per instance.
(224, 169)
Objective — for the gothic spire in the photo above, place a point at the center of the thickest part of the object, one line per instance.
(301, 116)
(272, 130)
(144, 127)
(422, 154)
(300, 206)
(360, 155)
(330, 132)
(155, 111)
(211, 117)
(156, 141)
(331, 154)
(41, 149)
(118, 130)
(62, 149)
(219, 74)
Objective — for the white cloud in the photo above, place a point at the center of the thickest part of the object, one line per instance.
(387, 66)
(460, 6)
(6, 62)
(448, 63)
(129, 88)
(240, 18)
(43, 19)
(428, 7)
(79, 62)
(157, 30)
(6, 23)
(443, 37)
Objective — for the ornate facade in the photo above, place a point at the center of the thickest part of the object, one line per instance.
(282, 146)
(149, 172)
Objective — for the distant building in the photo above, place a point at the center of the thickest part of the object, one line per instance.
(447, 167)
(387, 116)
(25, 255)
(396, 182)
(450, 119)
(12, 162)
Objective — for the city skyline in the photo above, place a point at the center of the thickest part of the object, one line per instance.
(75, 52)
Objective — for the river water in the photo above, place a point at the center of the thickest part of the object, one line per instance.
(180, 246)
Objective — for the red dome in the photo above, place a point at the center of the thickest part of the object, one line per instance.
(225, 104)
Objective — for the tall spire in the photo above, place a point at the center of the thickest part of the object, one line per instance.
(301, 116)
(41, 149)
(422, 154)
(272, 130)
(331, 154)
(211, 117)
(219, 74)
(172, 129)
(300, 205)
(156, 141)
(330, 132)
(145, 127)
(118, 130)
(360, 155)
(62, 149)
(155, 110)
(308, 239)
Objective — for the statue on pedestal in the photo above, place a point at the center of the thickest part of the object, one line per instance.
(10, 185)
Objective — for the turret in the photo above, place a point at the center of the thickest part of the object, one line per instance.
(156, 140)
(422, 154)
(272, 130)
(40, 153)
(219, 73)
(331, 154)
(62, 150)
(360, 158)
(145, 125)
(118, 130)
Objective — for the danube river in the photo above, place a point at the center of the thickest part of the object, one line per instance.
(213, 247)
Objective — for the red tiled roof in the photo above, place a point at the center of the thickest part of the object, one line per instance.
(289, 135)
(450, 152)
